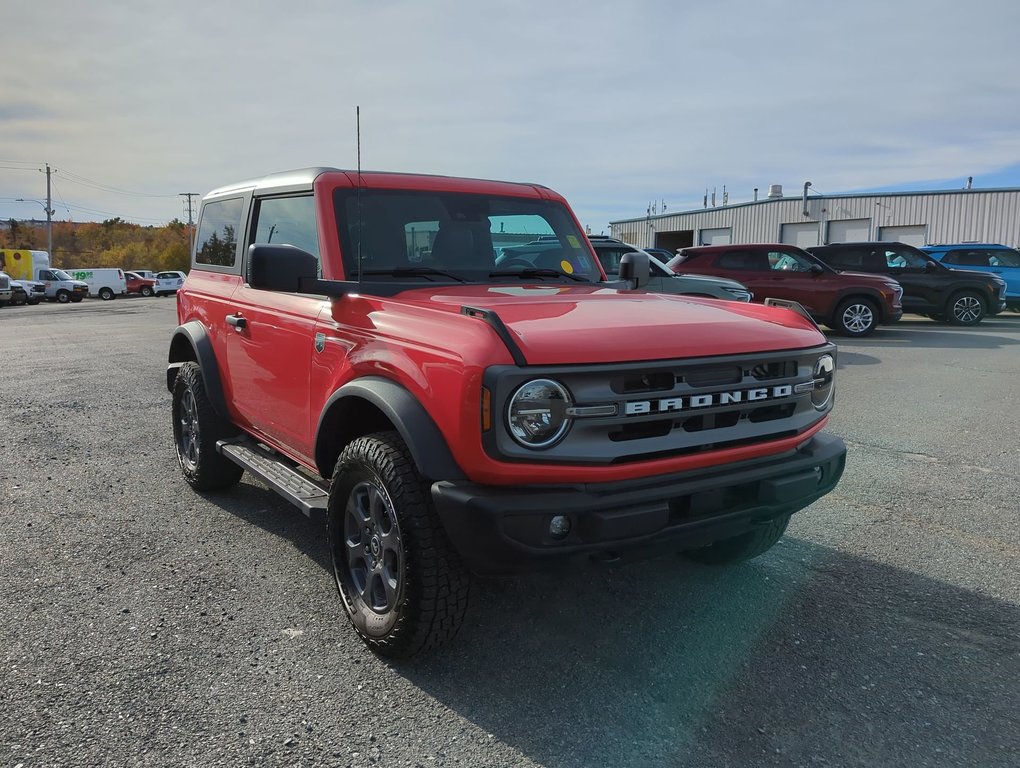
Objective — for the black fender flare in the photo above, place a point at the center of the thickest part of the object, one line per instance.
(192, 335)
(419, 432)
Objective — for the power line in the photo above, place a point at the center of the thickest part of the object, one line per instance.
(62, 202)
(75, 178)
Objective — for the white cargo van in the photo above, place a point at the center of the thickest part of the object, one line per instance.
(105, 282)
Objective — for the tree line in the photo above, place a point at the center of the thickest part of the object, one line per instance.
(110, 243)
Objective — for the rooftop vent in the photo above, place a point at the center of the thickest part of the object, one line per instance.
(775, 191)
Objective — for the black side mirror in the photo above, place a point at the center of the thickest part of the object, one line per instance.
(930, 266)
(635, 269)
(290, 270)
(280, 267)
(816, 269)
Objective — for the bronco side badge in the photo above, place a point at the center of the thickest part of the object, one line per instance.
(320, 342)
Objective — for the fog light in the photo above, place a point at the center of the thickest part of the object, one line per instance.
(559, 526)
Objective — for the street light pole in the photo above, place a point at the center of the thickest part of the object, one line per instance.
(49, 219)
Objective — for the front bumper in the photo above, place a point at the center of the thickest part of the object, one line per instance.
(506, 530)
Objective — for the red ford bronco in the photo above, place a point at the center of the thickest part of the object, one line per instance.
(374, 348)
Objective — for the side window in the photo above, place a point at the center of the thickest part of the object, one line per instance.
(894, 259)
(969, 258)
(784, 261)
(743, 260)
(1002, 257)
(288, 221)
(899, 258)
(216, 244)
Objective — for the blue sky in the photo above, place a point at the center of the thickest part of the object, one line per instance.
(611, 104)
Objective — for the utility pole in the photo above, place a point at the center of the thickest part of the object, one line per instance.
(191, 224)
(49, 215)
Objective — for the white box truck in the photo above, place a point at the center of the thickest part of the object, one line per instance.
(35, 265)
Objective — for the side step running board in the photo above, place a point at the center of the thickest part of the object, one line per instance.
(279, 474)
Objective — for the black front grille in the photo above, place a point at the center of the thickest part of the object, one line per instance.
(779, 369)
(712, 377)
(632, 412)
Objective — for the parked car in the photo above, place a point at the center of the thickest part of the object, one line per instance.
(18, 293)
(6, 289)
(929, 288)
(145, 274)
(60, 286)
(662, 279)
(166, 283)
(661, 254)
(850, 303)
(20, 297)
(138, 284)
(35, 291)
(983, 257)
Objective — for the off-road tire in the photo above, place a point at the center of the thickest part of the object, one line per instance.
(743, 547)
(425, 604)
(106, 294)
(965, 308)
(197, 428)
(855, 317)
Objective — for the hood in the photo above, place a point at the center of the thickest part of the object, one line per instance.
(720, 281)
(557, 324)
(976, 275)
(868, 278)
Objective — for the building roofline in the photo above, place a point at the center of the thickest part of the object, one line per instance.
(814, 196)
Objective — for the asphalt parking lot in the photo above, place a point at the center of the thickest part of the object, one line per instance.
(144, 624)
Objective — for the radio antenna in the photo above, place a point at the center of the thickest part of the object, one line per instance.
(361, 233)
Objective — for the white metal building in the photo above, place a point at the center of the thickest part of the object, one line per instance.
(918, 218)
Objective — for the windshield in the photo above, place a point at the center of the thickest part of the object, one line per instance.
(456, 237)
(61, 274)
(905, 256)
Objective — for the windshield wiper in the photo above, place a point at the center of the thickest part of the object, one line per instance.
(414, 272)
(536, 272)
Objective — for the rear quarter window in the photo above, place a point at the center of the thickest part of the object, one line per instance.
(216, 244)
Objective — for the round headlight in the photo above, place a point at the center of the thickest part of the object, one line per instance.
(537, 413)
(825, 369)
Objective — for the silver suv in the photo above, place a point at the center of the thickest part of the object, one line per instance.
(663, 280)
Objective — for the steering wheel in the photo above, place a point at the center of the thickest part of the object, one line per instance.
(518, 261)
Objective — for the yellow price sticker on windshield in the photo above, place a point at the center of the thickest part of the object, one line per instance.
(567, 267)
(573, 241)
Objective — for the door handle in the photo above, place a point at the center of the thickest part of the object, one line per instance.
(237, 321)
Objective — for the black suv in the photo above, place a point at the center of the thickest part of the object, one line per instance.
(957, 296)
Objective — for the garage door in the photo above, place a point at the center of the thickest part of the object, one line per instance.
(801, 235)
(915, 234)
(849, 230)
(720, 236)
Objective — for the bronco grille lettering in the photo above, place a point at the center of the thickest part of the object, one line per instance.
(690, 402)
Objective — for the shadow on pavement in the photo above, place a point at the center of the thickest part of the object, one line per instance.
(805, 657)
